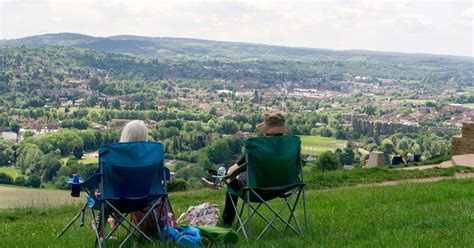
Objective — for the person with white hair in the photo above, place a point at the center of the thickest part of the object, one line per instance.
(135, 130)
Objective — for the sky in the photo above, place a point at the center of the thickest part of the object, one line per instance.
(416, 26)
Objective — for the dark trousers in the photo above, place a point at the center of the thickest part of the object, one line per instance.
(229, 211)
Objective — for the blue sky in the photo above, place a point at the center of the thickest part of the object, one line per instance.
(440, 27)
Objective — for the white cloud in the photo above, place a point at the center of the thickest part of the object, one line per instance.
(410, 26)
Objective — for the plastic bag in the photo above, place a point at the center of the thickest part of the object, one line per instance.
(203, 214)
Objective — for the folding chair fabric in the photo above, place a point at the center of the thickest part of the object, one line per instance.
(273, 170)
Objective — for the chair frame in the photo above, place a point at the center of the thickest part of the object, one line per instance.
(106, 206)
(245, 225)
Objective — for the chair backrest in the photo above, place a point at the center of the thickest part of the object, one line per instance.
(132, 170)
(273, 161)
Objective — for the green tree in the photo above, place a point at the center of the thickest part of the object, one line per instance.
(15, 127)
(30, 159)
(33, 181)
(5, 179)
(219, 151)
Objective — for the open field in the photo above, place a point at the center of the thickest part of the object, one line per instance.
(418, 101)
(318, 144)
(437, 214)
(21, 197)
(11, 171)
(471, 105)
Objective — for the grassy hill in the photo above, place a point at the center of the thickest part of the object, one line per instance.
(184, 48)
(436, 214)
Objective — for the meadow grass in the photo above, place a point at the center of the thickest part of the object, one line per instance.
(437, 214)
(418, 101)
(317, 144)
(22, 197)
(471, 105)
(361, 176)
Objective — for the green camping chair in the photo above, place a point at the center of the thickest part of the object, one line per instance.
(274, 170)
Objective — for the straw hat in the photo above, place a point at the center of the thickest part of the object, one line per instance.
(273, 123)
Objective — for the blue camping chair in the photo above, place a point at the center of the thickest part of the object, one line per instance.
(131, 177)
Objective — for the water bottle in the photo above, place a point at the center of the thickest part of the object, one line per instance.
(75, 187)
(220, 174)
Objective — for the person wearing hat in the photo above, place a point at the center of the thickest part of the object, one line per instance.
(273, 125)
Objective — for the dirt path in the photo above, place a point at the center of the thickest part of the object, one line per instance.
(414, 180)
(445, 164)
(425, 180)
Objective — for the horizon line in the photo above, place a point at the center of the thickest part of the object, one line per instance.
(251, 43)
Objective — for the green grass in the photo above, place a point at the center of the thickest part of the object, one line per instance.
(92, 160)
(342, 178)
(11, 171)
(438, 214)
(22, 197)
(471, 105)
(89, 160)
(317, 144)
(418, 101)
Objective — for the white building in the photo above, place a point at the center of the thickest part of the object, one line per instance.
(9, 136)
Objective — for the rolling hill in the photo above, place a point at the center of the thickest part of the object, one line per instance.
(173, 48)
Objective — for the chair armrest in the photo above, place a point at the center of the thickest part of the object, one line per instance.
(166, 173)
(235, 173)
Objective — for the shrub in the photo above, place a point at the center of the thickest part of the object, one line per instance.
(20, 181)
(33, 181)
(60, 182)
(5, 179)
(327, 161)
(176, 184)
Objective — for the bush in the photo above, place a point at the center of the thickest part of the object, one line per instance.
(195, 183)
(20, 181)
(327, 161)
(325, 132)
(60, 182)
(33, 181)
(176, 184)
(5, 179)
(86, 170)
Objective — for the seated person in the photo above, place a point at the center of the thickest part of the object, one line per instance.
(136, 131)
(273, 125)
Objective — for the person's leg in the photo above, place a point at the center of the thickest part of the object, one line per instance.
(229, 211)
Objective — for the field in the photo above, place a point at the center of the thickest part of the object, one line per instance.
(469, 105)
(418, 101)
(21, 197)
(437, 214)
(317, 144)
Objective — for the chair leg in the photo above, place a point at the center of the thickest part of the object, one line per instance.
(96, 229)
(79, 214)
(136, 227)
(239, 214)
(292, 211)
(239, 219)
(249, 226)
(277, 214)
(102, 224)
(304, 207)
(270, 223)
(255, 211)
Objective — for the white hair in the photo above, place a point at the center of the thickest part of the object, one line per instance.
(134, 131)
